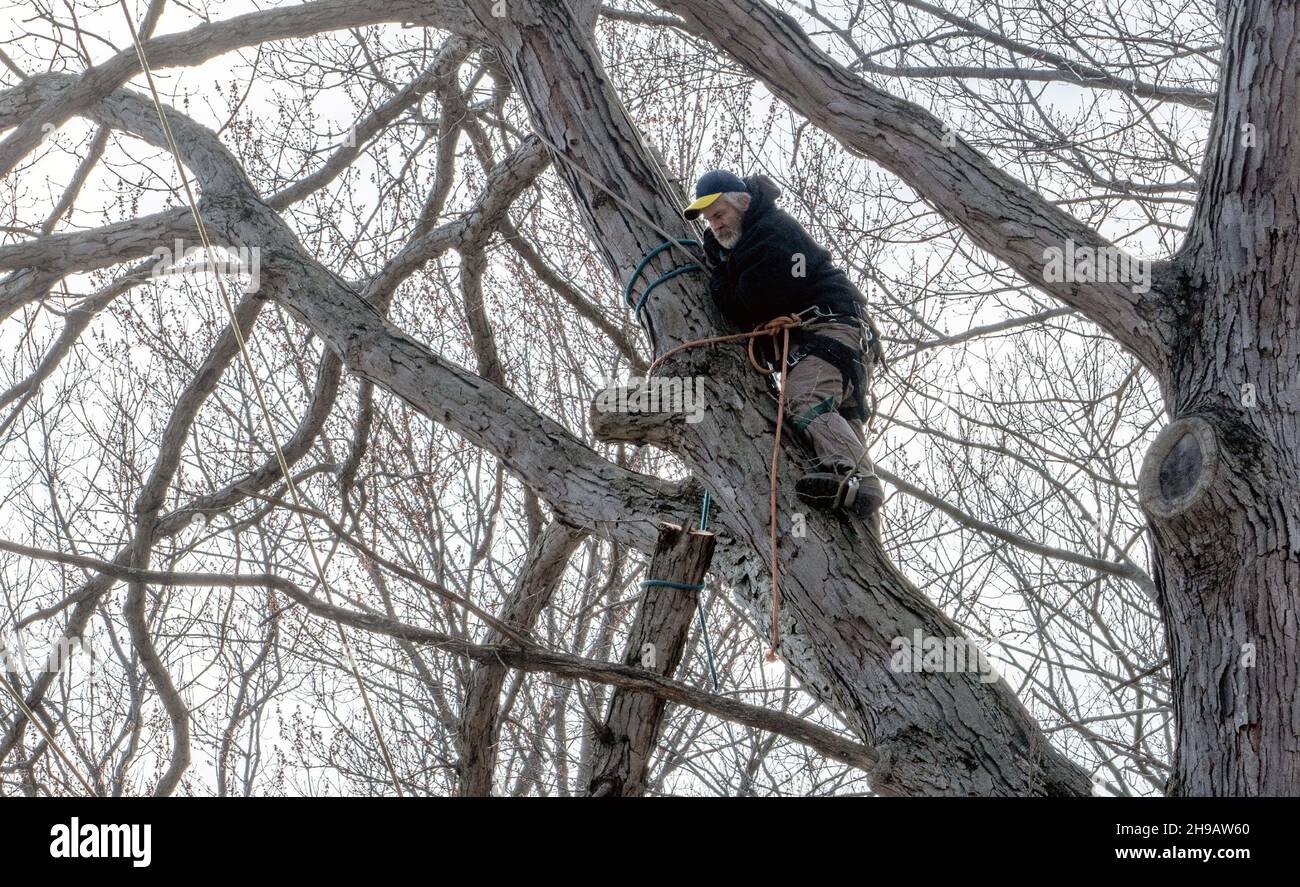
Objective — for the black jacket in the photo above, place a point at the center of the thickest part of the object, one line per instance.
(758, 280)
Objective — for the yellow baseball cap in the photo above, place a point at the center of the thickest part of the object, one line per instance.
(710, 187)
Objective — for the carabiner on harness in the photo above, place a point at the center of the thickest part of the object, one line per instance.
(814, 313)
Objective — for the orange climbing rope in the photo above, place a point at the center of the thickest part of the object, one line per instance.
(779, 326)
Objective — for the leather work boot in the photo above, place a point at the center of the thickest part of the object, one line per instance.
(862, 495)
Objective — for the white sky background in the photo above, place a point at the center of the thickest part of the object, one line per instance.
(31, 194)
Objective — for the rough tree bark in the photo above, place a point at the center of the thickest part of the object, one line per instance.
(1222, 484)
(656, 642)
(480, 722)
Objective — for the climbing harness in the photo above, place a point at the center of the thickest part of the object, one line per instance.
(853, 373)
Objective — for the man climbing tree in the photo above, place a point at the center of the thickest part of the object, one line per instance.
(765, 266)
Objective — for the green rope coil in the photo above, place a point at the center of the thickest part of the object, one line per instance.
(668, 583)
(645, 260)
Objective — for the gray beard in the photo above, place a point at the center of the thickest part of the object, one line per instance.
(728, 242)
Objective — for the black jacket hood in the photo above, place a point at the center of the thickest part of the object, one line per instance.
(764, 194)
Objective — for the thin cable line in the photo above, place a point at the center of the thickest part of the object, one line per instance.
(36, 722)
(257, 388)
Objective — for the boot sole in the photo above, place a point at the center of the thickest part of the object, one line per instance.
(827, 491)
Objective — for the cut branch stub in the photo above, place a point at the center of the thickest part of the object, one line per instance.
(1179, 467)
(640, 413)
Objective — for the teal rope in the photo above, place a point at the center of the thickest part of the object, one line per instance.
(645, 260)
(704, 623)
(661, 279)
(690, 586)
(699, 612)
(668, 583)
(708, 648)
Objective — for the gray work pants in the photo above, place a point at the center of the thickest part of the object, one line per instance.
(814, 393)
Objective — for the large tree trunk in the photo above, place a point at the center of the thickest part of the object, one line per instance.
(1222, 485)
